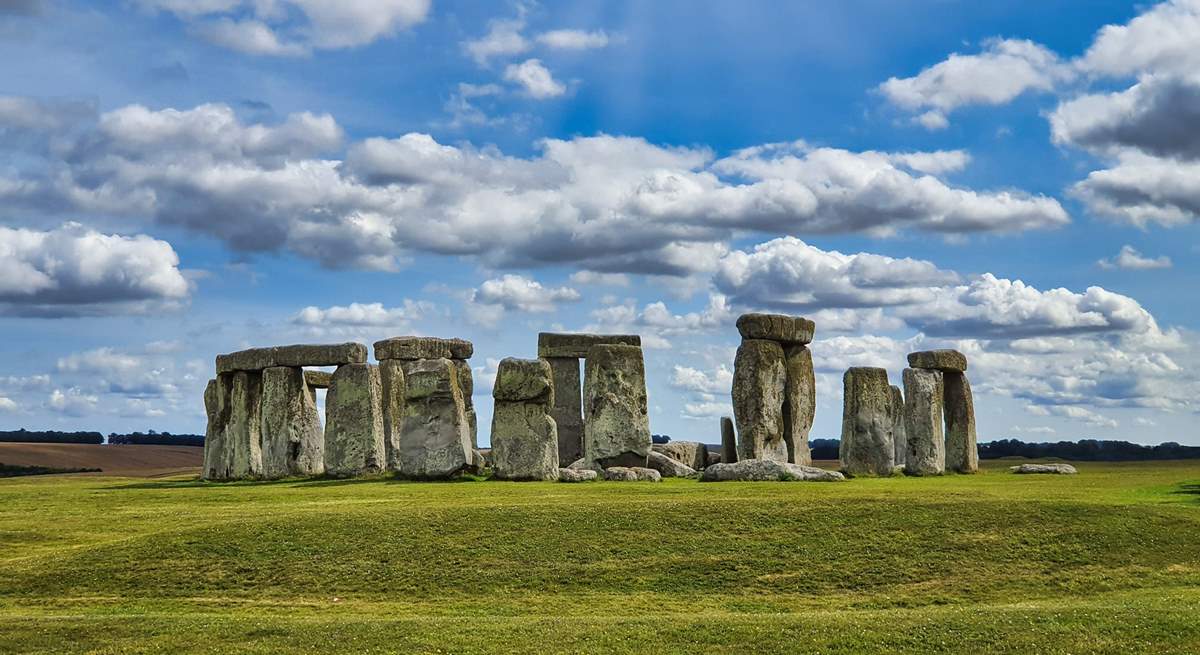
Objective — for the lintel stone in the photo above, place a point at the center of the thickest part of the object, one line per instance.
(941, 360)
(788, 330)
(257, 359)
(414, 348)
(556, 344)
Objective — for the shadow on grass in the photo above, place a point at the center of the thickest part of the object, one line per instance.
(1189, 489)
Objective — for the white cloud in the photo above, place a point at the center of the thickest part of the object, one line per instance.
(72, 402)
(1087, 416)
(362, 315)
(573, 39)
(1130, 259)
(7, 405)
(503, 39)
(1142, 190)
(685, 378)
(1161, 39)
(1157, 116)
(535, 79)
(519, 293)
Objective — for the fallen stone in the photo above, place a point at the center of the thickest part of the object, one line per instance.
(668, 467)
(962, 451)
(789, 330)
(759, 382)
(800, 403)
(523, 379)
(568, 407)
(713, 457)
(576, 475)
(257, 359)
(942, 360)
(925, 446)
(899, 431)
(690, 453)
(580, 465)
(867, 447)
(728, 441)
(354, 422)
(414, 348)
(766, 470)
(317, 379)
(435, 437)
(1053, 469)
(616, 423)
(524, 436)
(292, 437)
(392, 390)
(631, 474)
(554, 344)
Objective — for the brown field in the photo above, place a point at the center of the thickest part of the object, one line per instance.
(127, 461)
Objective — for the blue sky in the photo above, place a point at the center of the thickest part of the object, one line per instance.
(179, 179)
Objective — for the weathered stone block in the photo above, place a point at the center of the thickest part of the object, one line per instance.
(867, 447)
(435, 439)
(244, 430)
(668, 467)
(728, 441)
(789, 330)
(576, 475)
(766, 470)
(524, 436)
(568, 407)
(962, 452)
(318, 379)
(293, 441)
(899, 431)
(393, 390)
(1052, 469)
(466, 383)
(217, 456)
(257, 359)
(759, 384)
(631, 474)
(942, 360)
(523, 379)
(354, 422)
(800, 403)
(553, 344)
(689, 453)
(616, 419)
(413, 348)
(926, 444)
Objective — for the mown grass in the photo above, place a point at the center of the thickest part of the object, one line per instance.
(1104, 562)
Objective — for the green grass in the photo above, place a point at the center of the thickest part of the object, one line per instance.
(1104, 562)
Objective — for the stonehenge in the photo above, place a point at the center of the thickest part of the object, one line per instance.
(956, 404)
(774, 388)
(616, 424)
(354, 422)
(524, 435)
(867, 446)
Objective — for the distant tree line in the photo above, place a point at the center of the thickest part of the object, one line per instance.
(149, 438)
(1084, 450)
(14, 470)
(152, 438)
(51, 436)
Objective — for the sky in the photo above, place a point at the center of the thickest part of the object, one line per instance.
(182, 178)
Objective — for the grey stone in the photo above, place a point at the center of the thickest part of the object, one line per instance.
(759, 383)
(257, 359)
(435, 439)
(318, 379)
(554, 344)
(568, 407)
(414, 348)
(466, 383)
(728, 441)
(524, 436)
(866, 447)
(580, 464)
(668, 467)
(713, 457)
(766, 470)
(942, 360)
(393, 390)
(789, 330)
(479, 462)
(217, 458)
(962, 451)
(690, 453)
(616, 423)
(244, 430)
(1053, 469)
(899, 431)
(631, 474)
(800, 403)
(925, 448)
(576, 475)
(354, 422)
(293, 442)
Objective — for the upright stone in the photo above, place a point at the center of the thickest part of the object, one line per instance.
(616, 423)
(217, 461)
(800, 404)
(899, 431)
(524, 436)
(354, 422)
(293, 442)
(392, 394)
(962, 452)
(926, 445)
(244, 430)
(466, 383)
(759, 383)
(568, 408)
(867, 447)
(728, 441)
(435, 437)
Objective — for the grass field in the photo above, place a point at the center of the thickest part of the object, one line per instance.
(1104, 562)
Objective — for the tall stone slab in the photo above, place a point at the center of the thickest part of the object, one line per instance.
(568, 407)
(354, 422)
(962, 452)
(616, 422)
(759, 384)
(292, 438)
(466, 383)
(524, 435)
(435, 436)
(392, 393)
(925, 450)
(899, 430)
(217, 457)
(728, 441)
(800, 403)
(244, 430)
(867, 446)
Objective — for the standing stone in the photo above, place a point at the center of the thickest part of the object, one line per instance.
(867, 447)
(392, 393)
(899, 431)
(466, 383)
(728, 441)
(293, 442)
(244, 430)
(216, 446)
(926, 445)
(524, 436)
(616, 425)
(435, 437)
(962, 453)
(800, 404)
(354, 422)
(568, 407)
(759, 383)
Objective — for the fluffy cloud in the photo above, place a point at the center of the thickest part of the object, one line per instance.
(1132, 260)
(535, 79)
(73, 270)
(1142, 190)
(1156, 116)
(361, 315)
(573, 39)
(1161, 39)
(519, 293)
(72, 402)
(503, 39)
